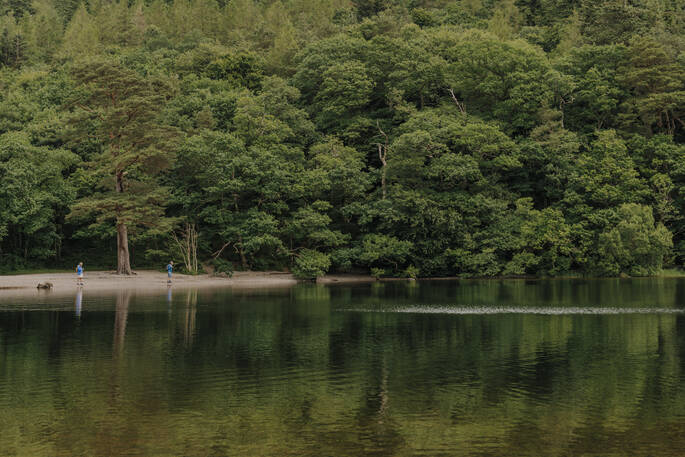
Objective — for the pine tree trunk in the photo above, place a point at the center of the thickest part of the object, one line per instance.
(123, 260)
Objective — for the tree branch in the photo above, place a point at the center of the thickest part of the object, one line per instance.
(462, 108)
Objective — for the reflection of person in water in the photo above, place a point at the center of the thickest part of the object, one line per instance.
(77, 304)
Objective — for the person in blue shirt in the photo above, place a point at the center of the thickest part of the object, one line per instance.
(79, 274)
(169, 270)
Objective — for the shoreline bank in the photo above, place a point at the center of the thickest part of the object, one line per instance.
(150, 280)
(144, 279)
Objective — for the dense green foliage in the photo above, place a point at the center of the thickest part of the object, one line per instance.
(403, 137)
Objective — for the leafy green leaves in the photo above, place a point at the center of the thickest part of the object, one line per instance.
(34, 195)
(635, 245)
(472, 139)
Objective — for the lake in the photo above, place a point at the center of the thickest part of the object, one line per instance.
(454, 368)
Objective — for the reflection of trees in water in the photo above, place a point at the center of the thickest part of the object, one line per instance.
(110, 438)
(285, 371)
(548, 379)
(189, 318)
(353, 347)
(519, 381)
(645, 292)
(120, 318)
(182, 318)
(376, 424)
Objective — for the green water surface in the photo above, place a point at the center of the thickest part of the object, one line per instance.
(453, 368)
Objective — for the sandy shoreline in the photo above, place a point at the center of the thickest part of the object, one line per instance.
(154, 280)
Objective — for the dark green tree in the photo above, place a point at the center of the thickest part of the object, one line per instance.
(119, 109)
(34, 195)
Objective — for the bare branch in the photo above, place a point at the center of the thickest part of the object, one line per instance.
(460, 105)
(218, 253)
(382, 155)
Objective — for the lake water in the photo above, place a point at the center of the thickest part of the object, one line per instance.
(454, 368)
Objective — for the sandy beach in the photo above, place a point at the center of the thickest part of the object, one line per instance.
(153, 281)
(150, 280)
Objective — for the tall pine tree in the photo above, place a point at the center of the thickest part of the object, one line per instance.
(119, 109)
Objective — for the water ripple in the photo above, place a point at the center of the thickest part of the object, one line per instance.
(514, 310)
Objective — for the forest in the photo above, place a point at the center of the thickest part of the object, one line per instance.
(407, 138)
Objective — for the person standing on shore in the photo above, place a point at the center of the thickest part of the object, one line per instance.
(169, 270)
(79, 274)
